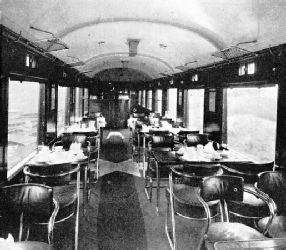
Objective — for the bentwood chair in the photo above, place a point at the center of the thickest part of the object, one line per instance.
(251, 208)
(66, 192)
(93, 159)
(193, 140)
(273, 183)
(202, 169)
(212, 189)
(164, 142)
(23, 205)
(183, 203)
(182, 134)
(137, 142)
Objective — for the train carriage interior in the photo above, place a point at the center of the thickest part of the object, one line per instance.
(143, 124)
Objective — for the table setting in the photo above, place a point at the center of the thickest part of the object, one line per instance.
(59, 156)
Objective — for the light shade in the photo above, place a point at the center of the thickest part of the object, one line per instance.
(133, 44)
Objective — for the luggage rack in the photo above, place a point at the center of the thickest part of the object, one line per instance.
(234, 52)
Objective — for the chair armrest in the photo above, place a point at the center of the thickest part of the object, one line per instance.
(28, 173)
(52, 222)
(271, 205)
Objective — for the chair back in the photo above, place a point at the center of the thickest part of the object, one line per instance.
(93, 147)
(222, 188)
(202, 169)
(160, 131)
(67, 140)
(179, 176)
(248, 170)
(32, 201)
(162, 141)
(273, 183)
(182, 134)
(30, 198)
(194, 139)
(269, 243)
(138, 115)
(52, 174)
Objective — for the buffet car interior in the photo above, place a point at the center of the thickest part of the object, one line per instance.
(143, 124)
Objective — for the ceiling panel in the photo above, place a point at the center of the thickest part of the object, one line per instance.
(174, 35)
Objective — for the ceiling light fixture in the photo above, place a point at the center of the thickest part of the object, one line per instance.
(164, 74)
(185, 67)
(75, 64)
(100, 43)
(50, 44)
(133, 44)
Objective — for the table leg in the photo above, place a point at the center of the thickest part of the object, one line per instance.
(85, 193)
(143, 152)
(158, 185)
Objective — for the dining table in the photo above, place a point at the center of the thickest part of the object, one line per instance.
(52, 159)
(167, 159)
(146, 131)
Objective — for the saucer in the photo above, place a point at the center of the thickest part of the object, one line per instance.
(81, 158)
(216, 159)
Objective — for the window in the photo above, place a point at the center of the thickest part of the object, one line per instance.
(172, 103)
(62, 108)
(158, 104)
(72, 105)
(144, 98)
(31, 61)
(251, 121)
(195, 78)
(195, 109)
(78, 104)
(180, 104)
(23, 118)
(248, 68)
(86, 104)
(149, 99)
(140, 97)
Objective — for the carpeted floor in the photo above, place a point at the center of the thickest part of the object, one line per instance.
(120, 223)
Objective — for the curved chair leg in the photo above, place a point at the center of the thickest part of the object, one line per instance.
(173, 239)
(148, 177)
(77, 214)
(85, 190)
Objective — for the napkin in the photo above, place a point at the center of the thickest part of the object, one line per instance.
(208, 148)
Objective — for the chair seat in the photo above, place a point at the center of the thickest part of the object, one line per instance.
(251, 206)
(206, 171)
(186, 202)
(30, 245)
(231, 231)
(66, 197)
(277, 228)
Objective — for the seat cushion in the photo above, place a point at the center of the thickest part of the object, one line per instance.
(31, 245)
(251, 206)
(186, 202)
(277, 228)
(228, 231)
(67, 197)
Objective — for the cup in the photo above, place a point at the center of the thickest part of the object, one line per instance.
(191, 152)
(58, 148)
(215, 155)
(200, 151)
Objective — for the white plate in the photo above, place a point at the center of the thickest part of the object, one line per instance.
(216, 159)
(81, 158)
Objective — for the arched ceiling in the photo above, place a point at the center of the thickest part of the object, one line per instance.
(173, 36)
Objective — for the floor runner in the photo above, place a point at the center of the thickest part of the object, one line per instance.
(120, 218)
